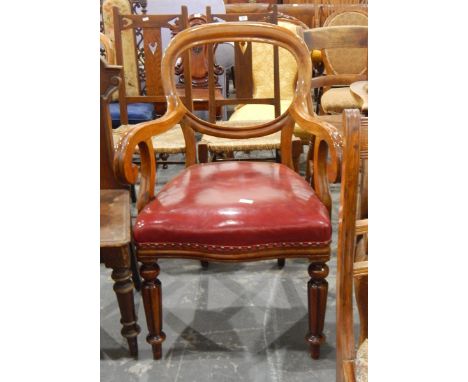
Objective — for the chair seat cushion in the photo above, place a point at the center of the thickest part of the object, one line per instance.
(226, 207)
(261, 112)
(137, 112)
(169, 142)
(335, 100)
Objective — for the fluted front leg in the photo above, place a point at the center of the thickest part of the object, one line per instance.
(317, 302)
(123, 288)
(152, 300)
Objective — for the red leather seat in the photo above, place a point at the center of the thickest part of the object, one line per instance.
(234, 206)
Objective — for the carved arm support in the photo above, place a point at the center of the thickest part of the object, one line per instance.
(330, 142)
(140, 135)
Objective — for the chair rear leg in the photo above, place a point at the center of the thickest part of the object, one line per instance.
(152, 300)
(317, 302)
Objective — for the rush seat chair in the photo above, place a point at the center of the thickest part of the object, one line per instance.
(234, 211)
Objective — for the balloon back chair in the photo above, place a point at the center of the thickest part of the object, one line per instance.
(234, 211)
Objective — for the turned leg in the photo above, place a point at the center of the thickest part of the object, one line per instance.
(134, 265)
(123, 288)
(152, 300)
(296, 154)
(317, 301)
(204, 264)
(281, 263)
(164, 157)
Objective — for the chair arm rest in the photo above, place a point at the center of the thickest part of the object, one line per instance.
(140, 135)
(337, 79)
(325, 133)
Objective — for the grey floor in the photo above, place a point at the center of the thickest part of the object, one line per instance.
(231, 322)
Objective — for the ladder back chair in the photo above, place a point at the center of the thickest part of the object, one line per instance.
(115, 234)
(352, 266)
(259, 89)
(234, 211)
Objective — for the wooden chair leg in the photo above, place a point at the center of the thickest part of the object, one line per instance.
(281, 262)
(360, 290)
(296, 154)
(152, 300)
(123, 288)
(309, 161)
(134, 265)
(133, 193)
(202, 152)
(317, 302)
(204, 264)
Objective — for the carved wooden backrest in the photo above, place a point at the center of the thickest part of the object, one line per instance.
(111, 77)
(132, 85)
(355, 152)
(150, 27)
(350, 60)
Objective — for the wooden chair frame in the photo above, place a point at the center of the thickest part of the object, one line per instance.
(356, 38)
(151, 26)
(299, 112)
(116, 250)
(353, 203)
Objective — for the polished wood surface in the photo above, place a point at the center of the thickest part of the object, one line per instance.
(300, 112)
(349, 272)
(115, 243)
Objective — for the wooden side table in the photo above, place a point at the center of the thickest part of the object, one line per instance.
(115, 254)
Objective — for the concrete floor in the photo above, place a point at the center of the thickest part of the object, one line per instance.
(231, 322)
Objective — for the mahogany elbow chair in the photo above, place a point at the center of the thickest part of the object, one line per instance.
(352, 266)
(250, 211)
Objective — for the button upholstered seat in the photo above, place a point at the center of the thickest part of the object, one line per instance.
(227, 207)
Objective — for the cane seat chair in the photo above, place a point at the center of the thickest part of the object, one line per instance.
(344, 61)
(234, 211)
(352, 261)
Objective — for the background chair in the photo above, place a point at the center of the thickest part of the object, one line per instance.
(115, 244)
(351, 258)
(140, 111)
(343, 61)
(234, 211)
(150, 29)
(355, 39)
(261, 92)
